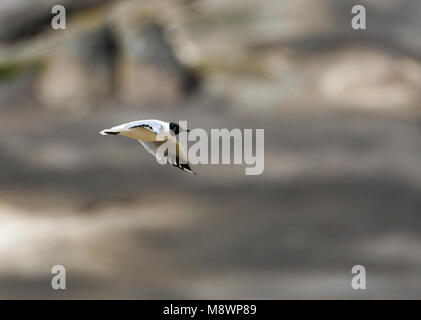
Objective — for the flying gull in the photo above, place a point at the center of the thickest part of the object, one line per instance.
(146, 131)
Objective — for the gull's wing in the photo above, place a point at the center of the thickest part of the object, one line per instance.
(142, 130)
(145, 130)
(168, 157)
(152, 148)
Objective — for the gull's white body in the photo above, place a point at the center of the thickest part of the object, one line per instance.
(146, 131)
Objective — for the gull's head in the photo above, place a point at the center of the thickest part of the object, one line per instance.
(176, 128)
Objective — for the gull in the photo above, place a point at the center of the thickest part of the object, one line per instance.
(146, 132)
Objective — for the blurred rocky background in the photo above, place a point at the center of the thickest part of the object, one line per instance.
(342, 180)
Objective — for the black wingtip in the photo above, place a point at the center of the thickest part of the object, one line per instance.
(184, 167)
(112, 132)
(108, 132)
